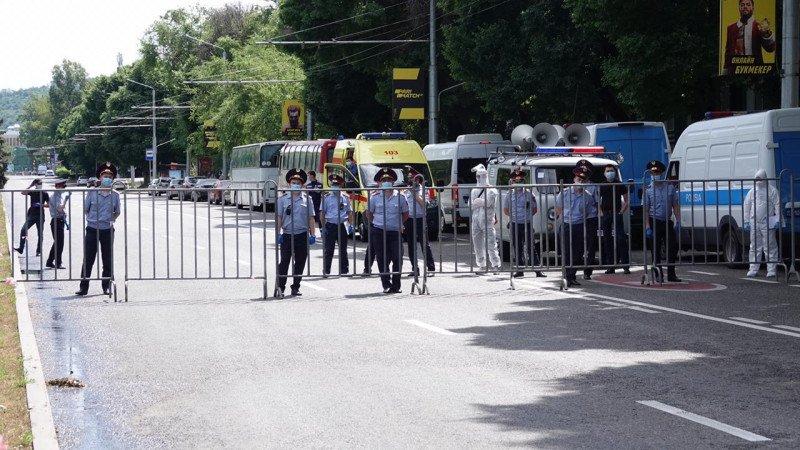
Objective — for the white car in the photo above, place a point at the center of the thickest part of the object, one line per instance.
(49, 173)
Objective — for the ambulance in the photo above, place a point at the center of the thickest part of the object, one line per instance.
(372, 152)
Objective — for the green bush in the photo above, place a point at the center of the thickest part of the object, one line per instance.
(63, 172)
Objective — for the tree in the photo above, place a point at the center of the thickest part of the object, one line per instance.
(37, 118)
(66, 88)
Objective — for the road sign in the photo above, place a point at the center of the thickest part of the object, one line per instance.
(148, 155)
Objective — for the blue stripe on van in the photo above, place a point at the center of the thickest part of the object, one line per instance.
(714, 197)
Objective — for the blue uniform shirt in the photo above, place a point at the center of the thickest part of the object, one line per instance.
(101, 209)
(296, 221)
(391, 218)
(520, 204)
(415, 211)
(577, 207)
(335, 211)
(591, 208)
(660, 198)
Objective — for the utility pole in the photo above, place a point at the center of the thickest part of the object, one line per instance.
(790, 56)
(309, 125)
(433, 106)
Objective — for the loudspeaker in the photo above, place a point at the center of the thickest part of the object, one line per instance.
(523, 137)
(545, 135)
(577, 135)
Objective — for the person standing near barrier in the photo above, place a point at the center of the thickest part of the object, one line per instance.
(417, 200)
(661, 201)
(101, 208)
(315, 192)
(572, 206)
(295, 220)
(58, 220)
(387, 211)
(613, 206)
(592, 224)
(35, 215)
(336, 216)
(762, 217)
(482, 202)
(520, 205)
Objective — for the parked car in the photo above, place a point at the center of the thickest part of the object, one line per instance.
(221, 195)
(119, 185)
(82, 181)
(188, 183)
(173, 189)
(203, 187)
(153, 188)
(92, 182)
(49, 173)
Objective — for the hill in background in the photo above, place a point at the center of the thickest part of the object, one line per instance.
(11, 103)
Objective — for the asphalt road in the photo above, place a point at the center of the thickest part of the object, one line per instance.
(474, 364)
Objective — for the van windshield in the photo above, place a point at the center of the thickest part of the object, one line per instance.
(368, 172)
(465, 173)
(561, 174)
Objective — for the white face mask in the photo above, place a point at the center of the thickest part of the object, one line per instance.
(295, 187)
(611, 175)
(386, 184)
(336, 188)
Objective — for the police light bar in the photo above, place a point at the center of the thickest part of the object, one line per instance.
(588, 150)
(552, 150)
(711, 115)
(383, 135)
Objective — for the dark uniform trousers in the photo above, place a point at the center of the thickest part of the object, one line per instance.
(614, 237)
(414, 234)
(37, 220)
(293, 245)
(106, 240)
(664, 234)
(592, 242)
(390, 254)
(572, 248)
(335, 233)
(522, 238)
(57, 227)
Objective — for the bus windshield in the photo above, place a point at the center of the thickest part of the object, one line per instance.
(269, 154)
(368, 172)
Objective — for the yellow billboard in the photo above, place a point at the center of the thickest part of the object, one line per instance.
(747, 37)
(293, 119)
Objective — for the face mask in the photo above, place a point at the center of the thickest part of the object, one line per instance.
(658, 176)
(610, 176)
(295, 187)
(336, 188)
(386, 184)
(106, 182)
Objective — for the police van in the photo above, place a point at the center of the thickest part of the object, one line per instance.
(451, 165)
(548, 166)
(730, 150)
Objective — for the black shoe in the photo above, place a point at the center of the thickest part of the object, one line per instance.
(296, 293)
(366, 273)
(571, 283)
(19, 250)
(324, 275)
(279, 293)
(395, 291)
(587, 277)
(81, 293)
(38, 253)
(518, 274)
(387, 290)
(49, 265)
(610, 271)
(106, 291)
(540, 274)
(626, 271)
(672, 278)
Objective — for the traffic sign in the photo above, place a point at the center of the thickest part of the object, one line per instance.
(148, 155)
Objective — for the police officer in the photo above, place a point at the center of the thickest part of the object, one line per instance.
(387, 211)
(336, 216)
(520, 205)
(315, 192)
(572, 207)
(613, 206)
(660, 203)
(101, 208)
(417, 200)
(295, 219)
(58, 220)
(592, 219)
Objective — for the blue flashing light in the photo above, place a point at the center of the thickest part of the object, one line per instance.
(397, 135)
(552, 150)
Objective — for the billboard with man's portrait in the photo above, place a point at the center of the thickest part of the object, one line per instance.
(747, 37)
(293, 119)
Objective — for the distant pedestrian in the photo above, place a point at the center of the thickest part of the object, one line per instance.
(613, 207)
(336, 215)
(294, 215)
(417, 199)
(661, 202)
(387, 211)
(101, 208)
(39, 200)
(315, 192)
(58, 220)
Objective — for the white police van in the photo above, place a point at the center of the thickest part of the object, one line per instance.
(547, 166)
(451, 165)
(730, 150)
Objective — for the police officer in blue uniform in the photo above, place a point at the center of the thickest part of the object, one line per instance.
(387, 211)
(592, 220)
(336, 215)
(520, 205)
(417, 199)
(661, 201)
(572, 208)
(294, 214)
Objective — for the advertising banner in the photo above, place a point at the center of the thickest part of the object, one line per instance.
(408, 94)
(747, 38)
(293, 119)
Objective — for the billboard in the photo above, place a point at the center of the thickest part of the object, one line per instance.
(293, 119)
(747, 38)
(210, 138)
(408, 94)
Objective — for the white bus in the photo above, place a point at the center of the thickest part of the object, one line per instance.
(251, 166)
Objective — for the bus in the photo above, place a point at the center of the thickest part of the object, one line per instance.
(251, 166)
(305, 155)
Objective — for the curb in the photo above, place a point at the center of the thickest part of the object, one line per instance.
(41, 414)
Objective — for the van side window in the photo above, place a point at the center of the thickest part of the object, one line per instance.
(441, 171)
(673, 172)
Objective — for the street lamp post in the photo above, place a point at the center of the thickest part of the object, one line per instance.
(154, 170)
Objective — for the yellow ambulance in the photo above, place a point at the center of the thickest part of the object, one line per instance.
(359, 159)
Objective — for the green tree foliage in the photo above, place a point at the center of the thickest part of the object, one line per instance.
(12, 101)
(37, 118)
(66, 89)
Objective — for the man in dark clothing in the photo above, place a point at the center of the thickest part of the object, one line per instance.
(35, 216)
(613, 206)
(315, 188)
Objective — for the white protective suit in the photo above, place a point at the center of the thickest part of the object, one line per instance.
(482, 203)
(762, 206)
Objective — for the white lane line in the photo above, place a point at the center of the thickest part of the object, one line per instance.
(787, 327)
(430, 327)
(757, 280)
(634, 308)
(313, 286)
(744, 319)
(711, 423)
(703, 273)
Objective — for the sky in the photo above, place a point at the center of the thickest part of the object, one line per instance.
(35, 35)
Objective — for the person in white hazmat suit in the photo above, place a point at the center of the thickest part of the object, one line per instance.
(482, 202)
(762, 218)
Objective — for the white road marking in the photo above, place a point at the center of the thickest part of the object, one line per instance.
(703, 273)
(787, 327)
(430, 327)
(711, 423)
(635, 308)
(744, 319)
(313, 286)
(758, 280)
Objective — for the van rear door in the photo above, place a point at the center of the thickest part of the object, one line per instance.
(787, 157)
